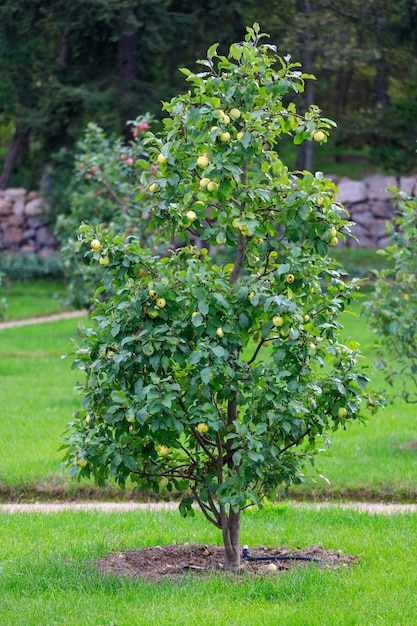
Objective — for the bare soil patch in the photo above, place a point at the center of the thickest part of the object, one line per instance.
(174, 561)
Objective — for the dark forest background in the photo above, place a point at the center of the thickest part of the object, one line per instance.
(64, 64)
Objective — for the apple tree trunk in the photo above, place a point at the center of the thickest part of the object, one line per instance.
(231, 538)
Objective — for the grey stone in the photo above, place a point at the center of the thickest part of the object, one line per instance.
(14, 193)
(377, 184)
(34, 207)
(364, 217)
(382, 208)
(351, 192)
(5, 207)
(44, 238)
(15, 220)
(19, 206)
(407, 184)
(379, 228)
(12, 236)
(383, 242)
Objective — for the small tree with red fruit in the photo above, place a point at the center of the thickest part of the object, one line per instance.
(215, 383)
(103, 190)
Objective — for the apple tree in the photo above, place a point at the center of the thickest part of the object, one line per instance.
(215, 382)
(392, 308)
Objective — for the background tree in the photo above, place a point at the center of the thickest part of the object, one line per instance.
(391, 310)
(218, 383)
(62, 66)
(103, 191)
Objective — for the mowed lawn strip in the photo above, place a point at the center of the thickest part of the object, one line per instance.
(377, 461)
(32, 298)
(48, 577)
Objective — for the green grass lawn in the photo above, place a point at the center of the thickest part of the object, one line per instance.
(46, 571)
(32, 298)
(37, 397)
(47, 577)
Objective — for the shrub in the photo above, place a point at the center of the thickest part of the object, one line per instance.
(219, 383)
(392, 309)
(24, 266)
(103, 192)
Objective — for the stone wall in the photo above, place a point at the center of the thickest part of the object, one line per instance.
(24, 223)
(370, 206)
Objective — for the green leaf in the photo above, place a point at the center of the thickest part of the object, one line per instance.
(283, 269)
(212, 51)
(236, 51)
(205, 375)
(196, 319)
(129, 461)
(219, 351)
(203, 307)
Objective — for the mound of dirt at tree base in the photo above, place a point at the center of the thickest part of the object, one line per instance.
(174, 561)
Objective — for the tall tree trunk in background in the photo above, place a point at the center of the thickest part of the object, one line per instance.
(126, 58)
(12, 156)
(127, 71)
(382, 65)
(305, 150)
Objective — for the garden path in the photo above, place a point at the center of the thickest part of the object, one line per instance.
(42, 319)
(108, 507)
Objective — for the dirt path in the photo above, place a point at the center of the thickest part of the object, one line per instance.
(109, 507)
(54, 317)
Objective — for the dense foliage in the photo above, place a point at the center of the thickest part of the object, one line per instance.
(102, 191)
(219, 383)
(392, 309)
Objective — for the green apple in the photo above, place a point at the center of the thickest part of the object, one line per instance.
(278, 321)
(104, 260)
(153, 314)
(95, 245)
(204, 182)
(224, 137)
(163, 450)
(202, 428)
(235, 113)
(212, 186)
(191, 216)
(342, 412)
(318, 135)
(203, 161)
(219, 332)
(153, 187)
(161, 158)
(161, 303)
(153, 295)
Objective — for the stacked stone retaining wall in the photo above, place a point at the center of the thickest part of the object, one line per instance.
(370, 206)
(24, 222)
